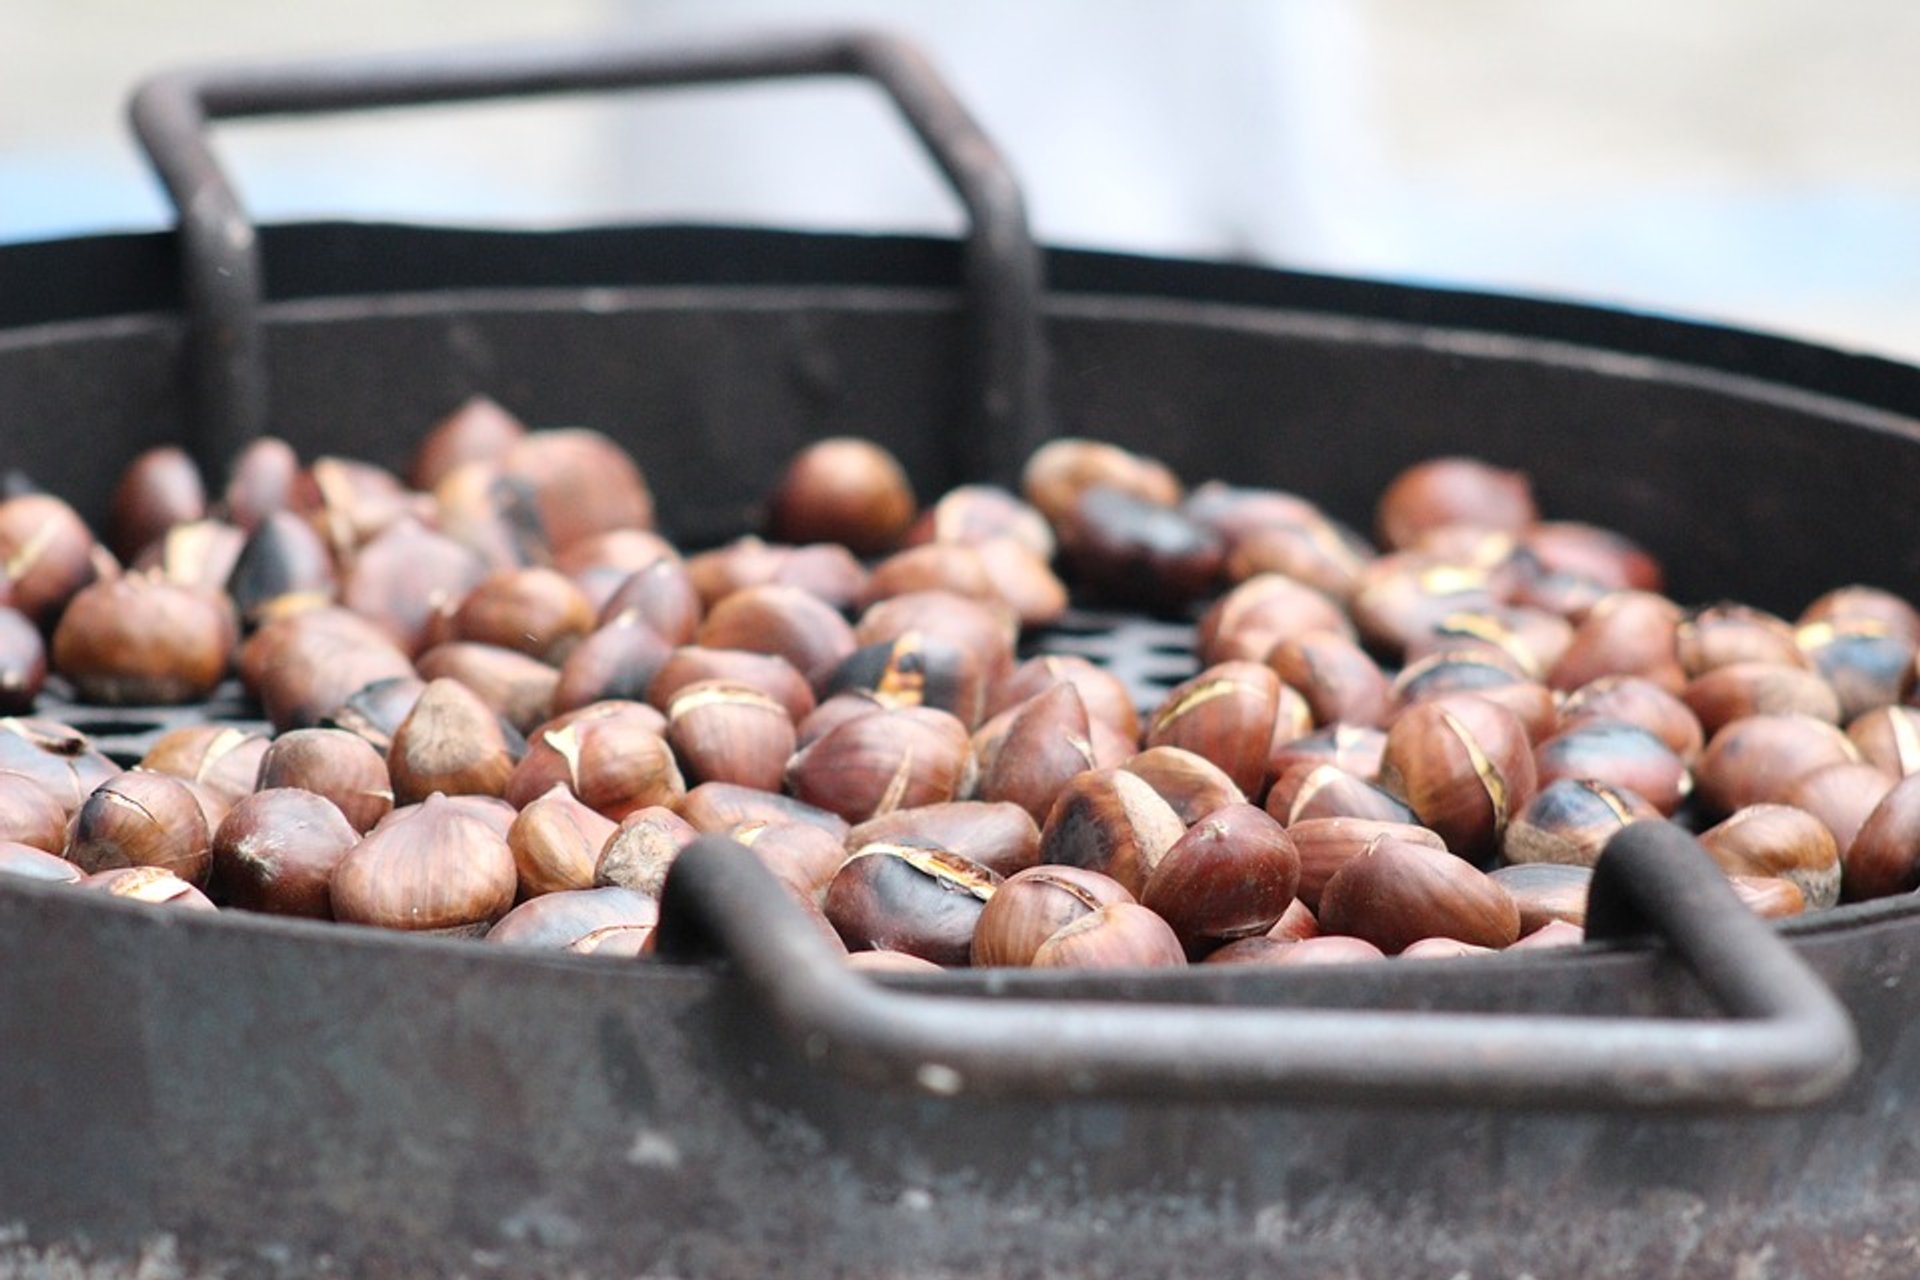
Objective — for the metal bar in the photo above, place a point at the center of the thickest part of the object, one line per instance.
(223, 280)
(1787, 1041)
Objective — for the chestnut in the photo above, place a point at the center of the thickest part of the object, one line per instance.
(1247, 622)
(784, 621)
(1884, 859)
(407, 581)
(1632, 700)
(260, 481)
(1105, 696)
(1571, 819)
(889, 962)
(802, 855)
(1309, 790)
(725, 731)
(534, 611)
(1547, 892)
(618, 661)
(980, 513)
(1453, 491)
(610, 754)
(29, 814)
(987, 629)
(450, 742)
(844, 490)
(915, 669)
(29, 862)
(636, 854)
(46, 555)
(1327, 844)
(1866, 663)
(1226, 714)
(717, 806)
(436, 868)
(276, 851)
(305, 666)
(495, 515)
(1531, 639)
(1192, 784)
(1059, 472)
(893, 759)
(137, 819)
(1230, 876)
(1723, 634)
(159, 489)
(901, 897)
(1890, 738)
(144, 641)
(660, 594)
(1769, 897)
(769, 673)
(1120, 935)
(1341, 683)
(1725, 694)
(1358, 749)
(373, 712)
(1754, 759)
(1401, 599)
(479, 430)
(1779, 841)
(1047, 742)
(1000, 836)
(581, 483)
(824, 569)
(333, 763)
(1315, 551)
(60, 759)
(1604, 557)
(1110, 821)
(600, 564)
(200, 553)
(222, 758)
(284, 567)
(1023, 581)
(608, 921)
(1030, 906)
(1859, 603)
(23, 662)
(1464, 765)
(1442, 949)
(1328, 949)
(515, 686)
(1841, 796)
(1131, 550)
(1495, 678)
(851, 705)
(556, 843)
(1618, 754)
(1626, 633)
(1395, 892)
(1552, 934)
(1296, 924)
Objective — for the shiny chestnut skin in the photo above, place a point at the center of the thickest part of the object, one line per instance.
(1861, 603)
(607, 921)
(1120, 935)
(137, 819)
(28, 862)
(1725, 694)
(1625, 633)
(1247, 622)
(610, 754)
(374, 711)
(517, 687)
(1453, 491)
(1308, 790)
(1226, 715)
(159, 489)
(980, 513)
(1402, 599)
(336, 764)
(895, 758)
(1358, 749)
(581, 483)
(284, 567)
(1192, 784)
(824, 569)
(716, 806)
(1396, 892)
(925, 902)
(143, 641)
(618, 660)
(784, 621)
(47, 553)
(276, 850)
(477, 430)
(915, 669)
(533, 611)
(155, 886)
(1884, 859)
(1105, 696)
(1618, 754)
(1754, 759)
(222, 758)
(801, 854)
(1130, 550)
(1047, 743)
(1779, 841)
(1000, 836)
(1890, 738)
(60, 759)
(1546, 892)
(1327, 844)
(1110, 821)
(435, 868)
(1482, 674)
(1604, 557)
(556, 842)
(1633, 700)
(1230, 876)
(30, 815)
(1570, 821)
(663, 596)
(1340, 681)
(1030, 906)
(408, 580)
(986, 628)
(1530, 638)
(844, 490)
(1465, 767)
(1867, 664)
(1841, 796)
(1722, 634)
(724, 731)
(304, 667)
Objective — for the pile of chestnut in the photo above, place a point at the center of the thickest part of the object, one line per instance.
(503, 703)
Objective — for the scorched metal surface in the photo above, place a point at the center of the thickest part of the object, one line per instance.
(253, 1096)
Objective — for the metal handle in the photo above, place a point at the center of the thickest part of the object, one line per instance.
(222, 272)
(1786, 1041)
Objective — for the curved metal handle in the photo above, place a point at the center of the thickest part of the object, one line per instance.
(222, 273)
(1786, 1041)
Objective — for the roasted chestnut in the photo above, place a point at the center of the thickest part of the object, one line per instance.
(1230, 876)
(1395, 892)
(450, 742)
(556, 842)
(144, 641)
(1032, 905)
(276, 851)
(608, 921)
(638, 852)
(843, 490)
(902, 897)
(1110, 821)
(137, 819)
(437, 868)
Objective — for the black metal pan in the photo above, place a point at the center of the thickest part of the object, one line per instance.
(257, 1096)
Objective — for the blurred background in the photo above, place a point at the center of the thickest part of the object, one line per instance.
(1744, 160)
